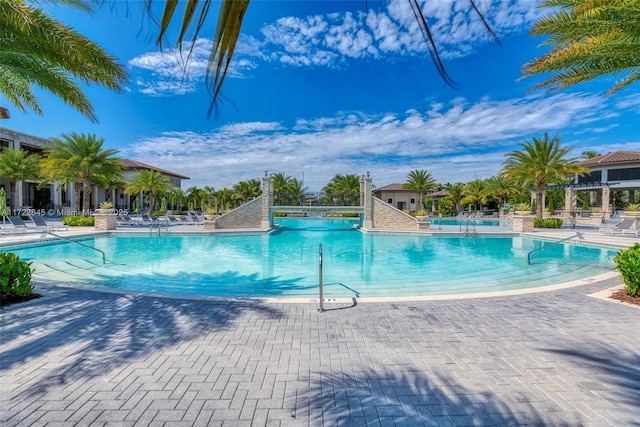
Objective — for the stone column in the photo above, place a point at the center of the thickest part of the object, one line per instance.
(367, 201)
(606, 206)
(570, 199)
(105, 219)
(523, 223)
(267, 201)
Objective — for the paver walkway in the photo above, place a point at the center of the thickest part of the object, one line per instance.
(78, 357)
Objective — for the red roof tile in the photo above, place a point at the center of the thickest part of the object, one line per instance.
(616, 157)
(134, 164)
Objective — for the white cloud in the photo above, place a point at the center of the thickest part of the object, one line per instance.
(458, 141)
(330, 40)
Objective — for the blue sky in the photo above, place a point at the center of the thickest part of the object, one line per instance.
(320, 88)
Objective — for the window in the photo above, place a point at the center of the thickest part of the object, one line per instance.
(413, 200)
(3, 144)
(595, 176)
(390, 201)
(624, 174)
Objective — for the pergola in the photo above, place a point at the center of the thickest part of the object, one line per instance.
(616, 171)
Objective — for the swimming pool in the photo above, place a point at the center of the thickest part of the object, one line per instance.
(284, 263)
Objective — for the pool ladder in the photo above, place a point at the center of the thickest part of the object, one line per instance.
(469, 228)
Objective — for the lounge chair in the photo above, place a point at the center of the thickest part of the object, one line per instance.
(626, 226)
(124, 220)
(40, 223)
(17, 223)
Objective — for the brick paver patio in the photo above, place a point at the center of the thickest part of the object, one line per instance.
(77, 357)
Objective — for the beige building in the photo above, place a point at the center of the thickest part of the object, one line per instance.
(56, 196)
(398, 197)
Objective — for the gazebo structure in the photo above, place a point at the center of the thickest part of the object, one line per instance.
(616, 171)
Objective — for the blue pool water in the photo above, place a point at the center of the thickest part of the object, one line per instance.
(284, 263)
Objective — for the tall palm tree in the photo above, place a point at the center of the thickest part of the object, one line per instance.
(540, 162)
(17, 165)
(224, 197)
(227, 32)
(420, 180)
(281, 184)
(78, 158)
(195, 197)
(456, 194)
(38, 50)
(588, 39)
(151, 182)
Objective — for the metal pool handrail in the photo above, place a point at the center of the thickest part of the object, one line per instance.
(551, 244)
(104, 260)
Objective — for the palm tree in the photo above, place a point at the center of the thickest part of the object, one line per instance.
(456, 194)
(224, 197)
(151, 182)
(78, 158)
(420, 180)
(175, 198)
(501, 188)
(227, 32)
(281, 184)
(38, 50)
(109, 182)
(195, 197)
(475, 193)
(343, 189)
(17, 165)
(540, 162)
(588, 39)
(590, 154)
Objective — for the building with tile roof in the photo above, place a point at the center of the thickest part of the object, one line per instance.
(54, 196)
(618, 171)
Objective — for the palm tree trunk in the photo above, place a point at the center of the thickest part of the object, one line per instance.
(539, 207)
(76, 197)
(86, 195)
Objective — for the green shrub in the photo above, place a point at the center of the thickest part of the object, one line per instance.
(78, 221)
(350, 214)
(628, 264)
(159, 213)
(105, 205)
(547, 223)
(279, 214)
(15, 275)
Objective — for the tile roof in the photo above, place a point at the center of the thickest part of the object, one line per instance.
(613, 158)
(392, 187)
(134, 164)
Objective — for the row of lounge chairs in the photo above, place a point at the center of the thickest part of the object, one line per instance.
(39, 224)
(188, 219)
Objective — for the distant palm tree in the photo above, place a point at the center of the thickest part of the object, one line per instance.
(588, 39)
(475, 193)
(176, 195)
(456, 194)
(224, 197)
(540, 162)
(227, 32)
(17, 165)
(343, 190)
(590, 154)
(38, 50)
(420, 180)
(109, 182)
(281, 187)
(78, 158)
(502, 189)
(150, 182)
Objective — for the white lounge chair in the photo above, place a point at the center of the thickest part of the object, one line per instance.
(626, 226)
